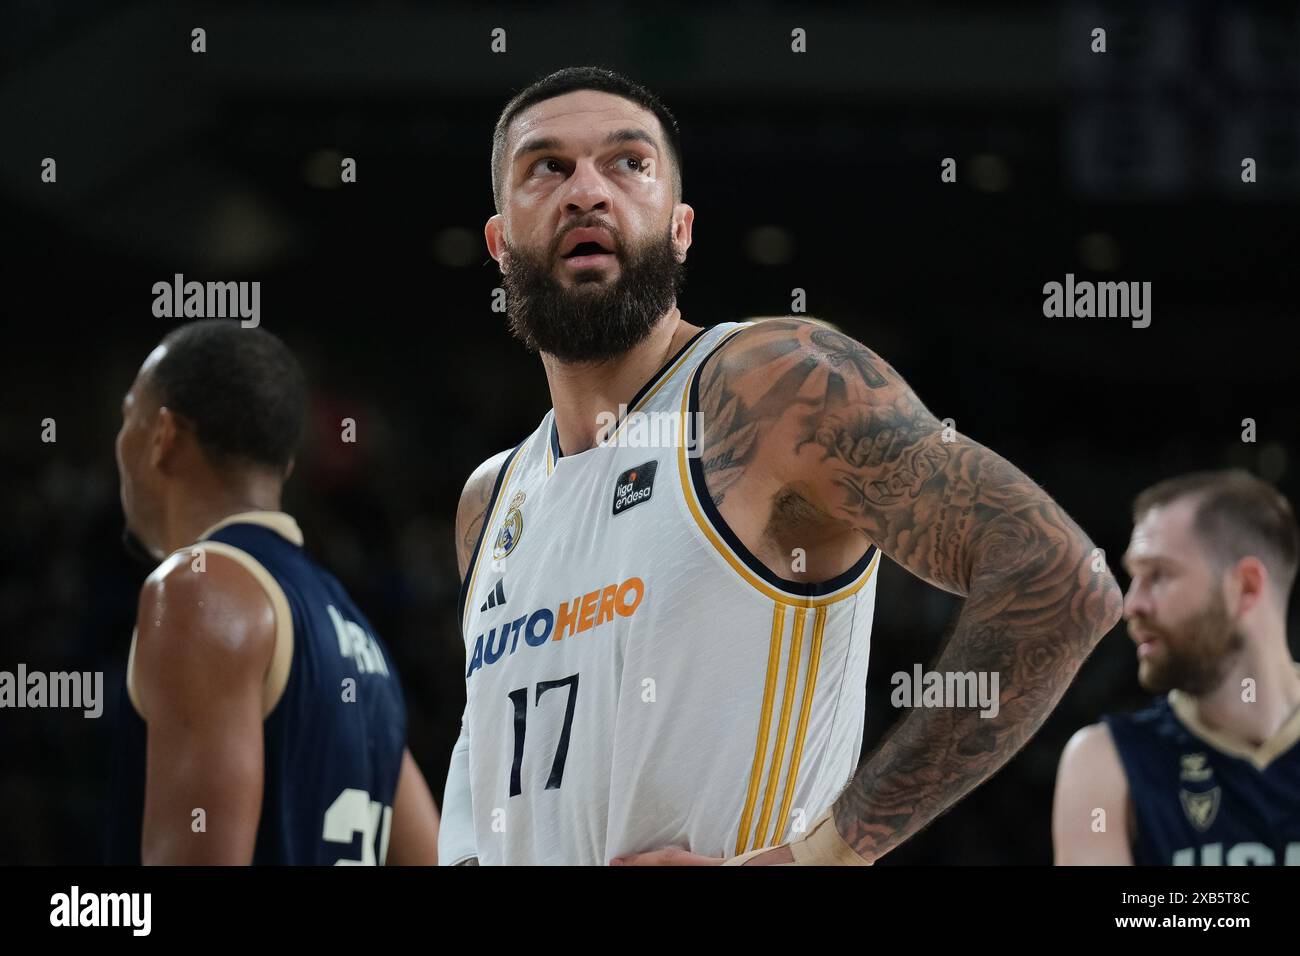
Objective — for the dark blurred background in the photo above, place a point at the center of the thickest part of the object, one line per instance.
(818, 171)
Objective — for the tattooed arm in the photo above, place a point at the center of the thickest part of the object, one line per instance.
(456, 836)
(810, 423)
(472, 510)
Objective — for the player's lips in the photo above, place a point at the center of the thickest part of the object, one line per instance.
(599, 240)
(587, 248)
(1146, 643)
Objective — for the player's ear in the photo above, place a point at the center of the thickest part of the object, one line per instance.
(682, 225)
(163, 438)
(1251, 582)
(494, 232)
(288, 470)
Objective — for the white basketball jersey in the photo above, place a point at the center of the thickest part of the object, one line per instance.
(635, 677)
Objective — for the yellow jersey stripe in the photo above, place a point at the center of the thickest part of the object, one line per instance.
(809, 688)
(764, 724)
(783, 727)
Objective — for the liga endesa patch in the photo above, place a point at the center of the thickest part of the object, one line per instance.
(634, 486)
(573, 617)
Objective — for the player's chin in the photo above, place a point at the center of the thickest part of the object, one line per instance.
(1152, 677)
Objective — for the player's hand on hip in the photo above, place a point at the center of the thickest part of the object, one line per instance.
(668, 856)
(676, 856)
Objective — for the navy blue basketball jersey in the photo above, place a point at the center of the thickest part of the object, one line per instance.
(1202, 798)
(335, 718)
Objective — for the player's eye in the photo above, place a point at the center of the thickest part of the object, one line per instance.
(547, 164)
(638, 165)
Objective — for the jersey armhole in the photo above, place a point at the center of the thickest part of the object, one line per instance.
(1111, 722)
(471, 570)
(724, 540)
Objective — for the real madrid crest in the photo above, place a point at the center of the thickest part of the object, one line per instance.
(511, 528)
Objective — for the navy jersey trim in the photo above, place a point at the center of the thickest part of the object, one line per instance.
(641, 392)
(556, 453)
(473, 558)
(696, 465)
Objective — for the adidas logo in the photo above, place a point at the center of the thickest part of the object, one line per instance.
(497, 596)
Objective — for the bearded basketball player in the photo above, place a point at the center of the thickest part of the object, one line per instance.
(666, 642)
(1209, 774)
(263, 721)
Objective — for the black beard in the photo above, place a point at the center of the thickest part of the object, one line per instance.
(594, 320)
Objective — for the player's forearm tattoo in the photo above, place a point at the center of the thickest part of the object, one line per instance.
(867, 453)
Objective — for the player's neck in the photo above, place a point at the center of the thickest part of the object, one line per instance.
(1257, 696)
(188, 515)
(581, 392)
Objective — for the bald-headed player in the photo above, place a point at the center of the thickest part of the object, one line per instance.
(666, 641)
(263, 720)
(1210, 773)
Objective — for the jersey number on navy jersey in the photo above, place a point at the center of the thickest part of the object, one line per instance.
(353, 812)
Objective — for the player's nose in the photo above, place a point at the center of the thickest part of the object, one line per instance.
(1135, 602)
(587, 189)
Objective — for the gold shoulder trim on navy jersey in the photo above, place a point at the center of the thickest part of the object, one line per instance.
(279, 522)
(1284, 738)
(277, 672)
(130, 676)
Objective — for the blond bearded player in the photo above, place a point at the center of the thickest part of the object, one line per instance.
(650, 676)
(1209, 773)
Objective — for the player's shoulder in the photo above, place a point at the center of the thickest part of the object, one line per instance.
(471, 512)
(486, 473)
(1089, 781)
(1091, 755)
(777, 334)
(768, 342)
(205, 589)
(478, 488)
(1090, 741)
(204, 622)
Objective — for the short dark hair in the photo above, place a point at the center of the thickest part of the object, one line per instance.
(1237, 514)
(583, 78)
(241, 387)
